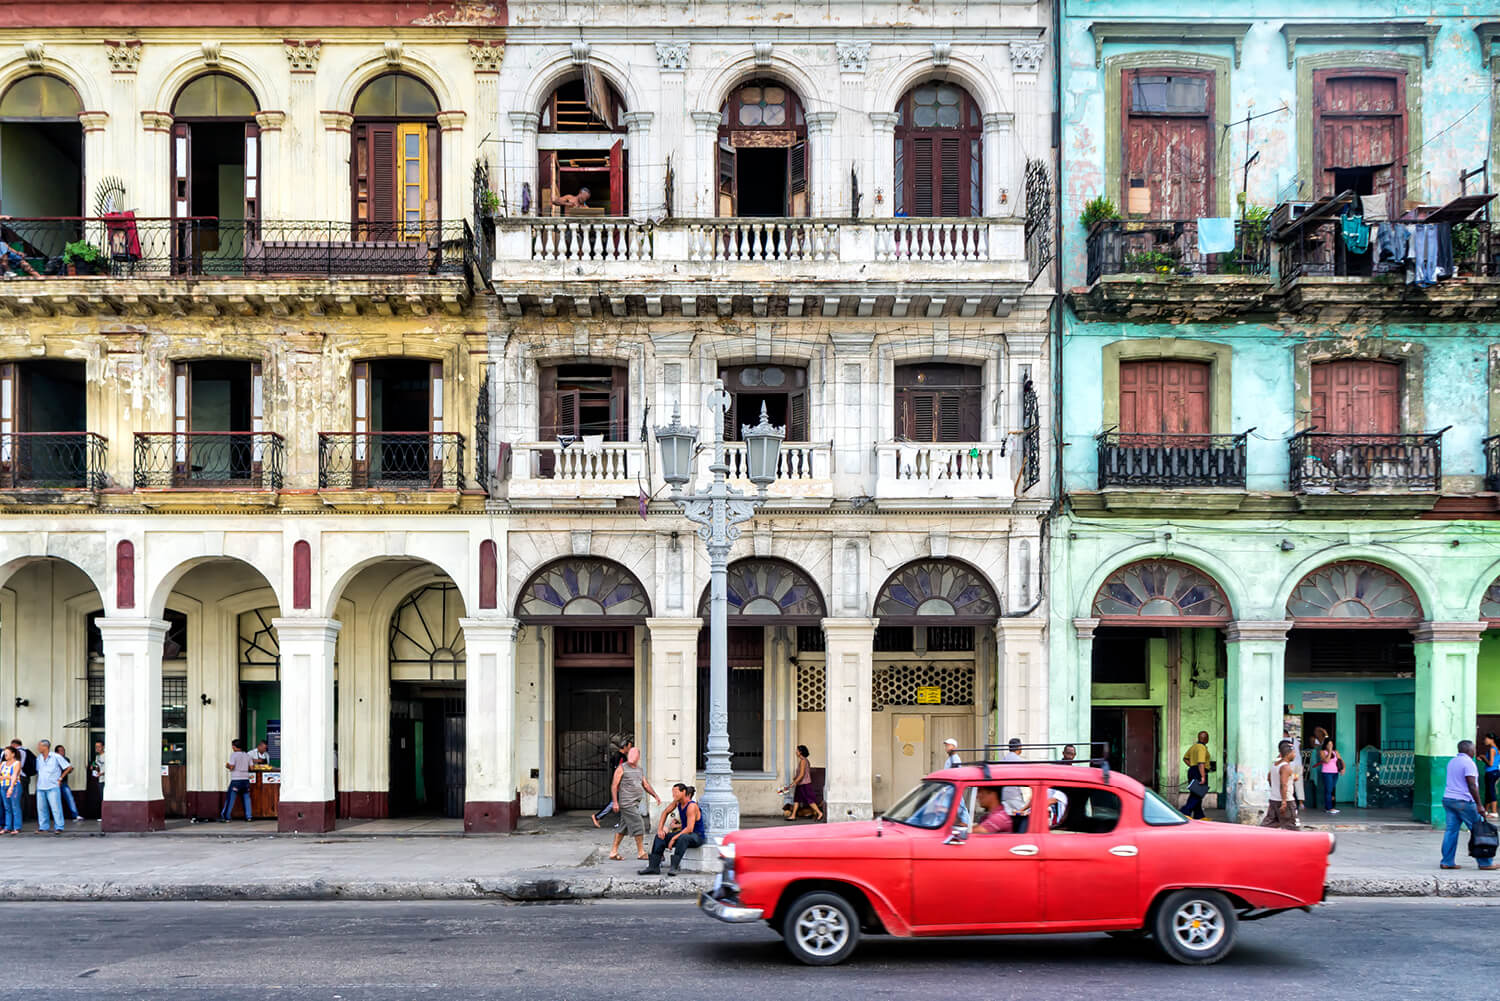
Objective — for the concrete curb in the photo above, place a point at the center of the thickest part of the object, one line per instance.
(1414, 886)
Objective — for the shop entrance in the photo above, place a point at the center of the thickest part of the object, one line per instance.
(427, 749)
(595, 708)
(1132, 734)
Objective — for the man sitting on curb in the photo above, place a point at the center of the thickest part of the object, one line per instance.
(681, 827)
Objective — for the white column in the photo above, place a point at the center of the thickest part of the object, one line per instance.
(274, 183)
(882, 182)
(520, 165)
(337, 148)
(457, 196)
(673, 724)
(646, 181)
(307, 790)
(154, 200)
(1003, 169)
(1254, 694)
(1076, 718)
(132, 719)
(700, 185)
(492, 801)
(95, 159)
(291, 196)
(828, 195)
(1022, 683)
(848, 784)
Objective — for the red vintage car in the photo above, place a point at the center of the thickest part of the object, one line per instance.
(1090, 851)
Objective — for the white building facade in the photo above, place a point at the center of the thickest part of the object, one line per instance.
(380, 488)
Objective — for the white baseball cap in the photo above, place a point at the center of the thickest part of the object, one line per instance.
(950, 741)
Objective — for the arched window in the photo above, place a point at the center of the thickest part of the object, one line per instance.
(583, 587)
(1353, 593)
(582, 160)
(426, 640)
(395, 172)
(938, 588)
(769, 589)
(40, 137)
(1160, 589)
(939, 152)
(216, 155)
(762, 162)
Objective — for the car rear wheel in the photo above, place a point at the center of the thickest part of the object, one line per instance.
(820, 929)
(1195, 927)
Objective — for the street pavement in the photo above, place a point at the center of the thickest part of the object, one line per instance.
(1378, 950)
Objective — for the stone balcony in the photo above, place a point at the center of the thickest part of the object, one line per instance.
(543, 473)
(946, 473)
(760, 267)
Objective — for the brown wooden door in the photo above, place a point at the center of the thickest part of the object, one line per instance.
(1164, 397)
(1360, 123)
(374, 180)
(360, 406)
(618, 206)
(1356, 396)
(1169, 149)
(1140, 745)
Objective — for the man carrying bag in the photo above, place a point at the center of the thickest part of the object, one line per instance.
(1461, 804)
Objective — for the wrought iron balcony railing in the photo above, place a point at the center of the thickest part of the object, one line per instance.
(1492, 463)
(1324, 462)
(1170, 247)
(391, 460)
(52, 460)
(124, 246)
(1172, 460)
(206, 460)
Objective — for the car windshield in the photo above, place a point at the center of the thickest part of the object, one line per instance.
(926, 806)
(1159, 813)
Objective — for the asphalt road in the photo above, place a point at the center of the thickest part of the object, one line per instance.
(620, 950)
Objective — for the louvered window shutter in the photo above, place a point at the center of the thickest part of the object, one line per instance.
(619, 404)
(796, 424)
(383, 180)
(567, 412)
(921, 417)
(731, 419)
(728, 203)
(922, 170)
(949, 176)
(950, 421)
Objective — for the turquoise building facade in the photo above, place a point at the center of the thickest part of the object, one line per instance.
(1277, 450)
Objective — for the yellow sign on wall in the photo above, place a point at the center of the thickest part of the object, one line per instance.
(929, 696)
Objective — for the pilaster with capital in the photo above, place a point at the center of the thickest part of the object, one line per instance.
(1256, 686)
(672, 744)
(1447, 684)
(454, 139)
(699, 195)
(1003, 165)
(647, 180)
(849, 773)
(132, 733)
(521, 171)
(272, 189)
(882, 183)
(826, 196)
(491, 797)
(1021, 692)
(307, 785)
(156, 161)
(337, 148)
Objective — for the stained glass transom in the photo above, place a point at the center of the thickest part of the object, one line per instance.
(1353, 591)
(936, 587)
(425, 629)
(769, 587)
(1489, 605)
(583, 587)
(1160, 589)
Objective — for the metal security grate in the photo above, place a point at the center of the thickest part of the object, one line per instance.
(897, 684)
(811, 688)
(174, 703)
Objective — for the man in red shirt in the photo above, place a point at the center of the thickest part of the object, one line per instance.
(995, 820)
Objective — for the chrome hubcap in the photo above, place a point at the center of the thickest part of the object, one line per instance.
(822, 930)
(1198, 925)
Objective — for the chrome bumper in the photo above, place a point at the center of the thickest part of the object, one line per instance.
(727, 911)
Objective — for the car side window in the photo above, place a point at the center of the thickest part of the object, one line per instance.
(1159, 813)
(1082, 810)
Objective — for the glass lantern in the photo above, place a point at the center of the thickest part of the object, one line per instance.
(762, 442)
(677, 444)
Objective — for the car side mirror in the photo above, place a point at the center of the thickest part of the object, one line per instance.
(957, 836)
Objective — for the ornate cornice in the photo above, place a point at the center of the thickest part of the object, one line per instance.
(1197, 33)
(853, 56)
(672, 57)
(303, 55)
(1387, 32)
(124, 57)
(487, 56)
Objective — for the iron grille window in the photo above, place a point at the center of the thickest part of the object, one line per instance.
(889, 639)
(95, 683)
(950, 639)
(897, 685)
(812, 689)
(810, 639)
(746, 732)
(1031, 437)
(174, 695)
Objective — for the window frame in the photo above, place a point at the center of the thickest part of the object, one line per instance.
(970, 167)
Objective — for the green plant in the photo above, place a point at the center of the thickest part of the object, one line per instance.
(489, 202)
(1158, 261)
(1098, 210)
(1465, 242)
(81, 251)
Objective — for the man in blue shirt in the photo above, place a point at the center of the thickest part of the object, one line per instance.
(1461, 803)
(49, 772)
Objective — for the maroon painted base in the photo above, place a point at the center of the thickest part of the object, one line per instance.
(304, 818)
(491, 818)
(133, 816)
(365, 805)
(206, 805)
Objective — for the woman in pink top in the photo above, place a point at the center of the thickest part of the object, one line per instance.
(1330, 765)
(10, 790)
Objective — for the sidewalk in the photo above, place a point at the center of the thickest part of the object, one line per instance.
(556, 859)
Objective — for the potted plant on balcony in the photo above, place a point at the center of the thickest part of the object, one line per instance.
(1099, 209)
(81, 258)
(489, 204)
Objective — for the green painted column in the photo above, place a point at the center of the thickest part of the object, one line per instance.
(1256, 653)
(1447, 655)
(1075, 694)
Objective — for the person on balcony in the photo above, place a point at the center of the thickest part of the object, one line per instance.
(578, 201)
(11, 258)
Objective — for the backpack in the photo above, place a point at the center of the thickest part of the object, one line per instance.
(1483, 838)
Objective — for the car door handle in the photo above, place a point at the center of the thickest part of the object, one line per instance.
(1125, 851)
(1024, 850)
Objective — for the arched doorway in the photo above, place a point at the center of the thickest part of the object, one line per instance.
(216, 165)
(775, 614)
(41, 138)
(934, 667)
(939, 152)
(425, 651)
(395, 171)
(762, 152)
(1157, 674)
(1351, 673)
(582, 143)
(594, 609)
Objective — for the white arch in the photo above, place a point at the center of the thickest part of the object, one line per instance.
(1200, 559)
(722, 81)
(177, 76)
(973, 76)
(413, 62)
(83, 554)
(160, 587)
(397, 591)
(1478, 589)
(84, 86)
(342, 578)
(560, 66)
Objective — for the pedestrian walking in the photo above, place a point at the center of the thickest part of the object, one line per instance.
(96, 773)
(616, 758)
(1199, 761)
(1330, 767)
(10, 790)
(1281, 811)
(953, 760)
(62, 785)
(238, 767)
(681, 827)
(802, 786)
(1461, 804)
(1491, 755)
(49, 772)
(627, 790)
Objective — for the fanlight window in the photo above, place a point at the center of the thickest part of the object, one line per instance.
(1489, 605)
(1353, 590)
(769, 587)
(1160, 589)
(936, 587)
(260, 651)
(582, 587)
(425, 631)
(40, 97)
(396, 95)
(215, 95)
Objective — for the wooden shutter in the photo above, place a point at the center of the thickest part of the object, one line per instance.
(257, 421)
(923, 417)
(360, 411)
(796, 179)
(617, 204)
(1360, 121)
(182, 163)
(796, 416)
(435, 424)
(1164, 397)
(1357, 396)
(950, 175)
(968, 415)
(1169, 158)
(728, 201)
(619, 404)
(359, 179)
(546, 173)
(10, 386)
(382, 187)
(546, 416)
(920, 168)
(252, 172)
(182, 409)
(732, 419)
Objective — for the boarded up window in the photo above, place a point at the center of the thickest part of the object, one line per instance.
(1169, 150)
(938, 144)
(1164, 397)
(1356, 396)
(1360, 133)
(938, 402)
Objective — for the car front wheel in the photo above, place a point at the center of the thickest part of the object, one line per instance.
(820, 929)
(1195, 927)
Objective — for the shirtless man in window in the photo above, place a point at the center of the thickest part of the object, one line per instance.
(994, 820)
(577, 201)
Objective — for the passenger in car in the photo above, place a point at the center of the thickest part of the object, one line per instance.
(1016, 801)
(994, 819)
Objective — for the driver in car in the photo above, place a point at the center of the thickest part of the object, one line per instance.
(994, 820)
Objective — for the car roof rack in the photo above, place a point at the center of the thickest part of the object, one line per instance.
(994, 754)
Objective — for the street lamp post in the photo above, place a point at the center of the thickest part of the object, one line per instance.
(718, 511)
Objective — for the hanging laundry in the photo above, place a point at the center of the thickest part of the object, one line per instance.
(1375, 208)
(1356, 234)
(1392, 238)
(1215, 236)
(1444, 233)
(1424, 254)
